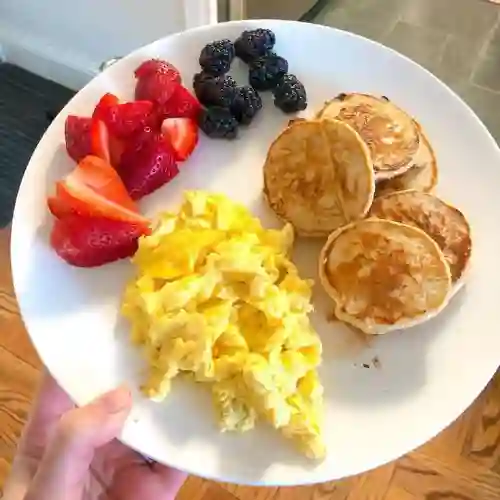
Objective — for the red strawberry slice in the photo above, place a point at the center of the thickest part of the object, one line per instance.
(100, 140)
(94, 241)
(106, 101)
(181, 104)
(77, 134)
(95, 189)
(182, 134)
(105, 145)
(147, 163)
(124, 119)
(159, 67)
(58, 207)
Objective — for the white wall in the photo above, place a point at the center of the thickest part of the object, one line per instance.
(66, 40)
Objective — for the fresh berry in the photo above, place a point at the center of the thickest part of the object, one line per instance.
(105, 102)
(105, 145)
(147, 163)
(182, 134)
(182, 104)
(94, 189)
(216, 57)
(246, 104)
(253, 44)
(124, 119)
(214, 90)
(94, 241)
(59, 208)
(157, 67)
(157, 88)
(266, 71)
(290, 95)
(77, 133)
(218, 123)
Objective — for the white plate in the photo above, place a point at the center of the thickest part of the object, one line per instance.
(427, 376)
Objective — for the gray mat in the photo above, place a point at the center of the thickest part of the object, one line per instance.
(26, 104)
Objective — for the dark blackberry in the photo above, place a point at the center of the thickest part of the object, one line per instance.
(253, 44)
(290, 95)
(218, 123)
(214, 90)
(246, 104)
(266, 71)
(216, 57)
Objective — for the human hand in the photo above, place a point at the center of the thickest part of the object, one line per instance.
(69, 453)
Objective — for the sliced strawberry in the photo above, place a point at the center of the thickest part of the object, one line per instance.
(182, 134)
(95, 189)
(106, 101)
(124, 119)
(147, 163)
(181, 104)
(77, 134)
(100, 140)
(94, 241)
(58, 207)
(157, 67)
(156, 87)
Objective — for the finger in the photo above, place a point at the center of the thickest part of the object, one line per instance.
(65, 464)
(50, 404)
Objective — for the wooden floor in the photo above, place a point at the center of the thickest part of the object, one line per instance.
(463, 463)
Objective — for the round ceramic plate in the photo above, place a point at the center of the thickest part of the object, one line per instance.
(382, 398)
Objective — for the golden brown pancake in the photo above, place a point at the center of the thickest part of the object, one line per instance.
(318, 176)
(445, 224)
(390, 133)
(422, 176)
(383, 275)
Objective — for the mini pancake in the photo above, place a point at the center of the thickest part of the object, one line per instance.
(422, 176)
(390, 133)
(318, 176)
(445, 224)
(383, 275)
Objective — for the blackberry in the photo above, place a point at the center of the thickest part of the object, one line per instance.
(214, 90)
(216, 57)
(246, 104)
(253, 44)
(266, 71)
(290, 95)
(218, 123)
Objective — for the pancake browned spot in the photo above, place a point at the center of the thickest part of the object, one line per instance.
(383, 275)
(318, 176)
(390, 133)
(445, 224)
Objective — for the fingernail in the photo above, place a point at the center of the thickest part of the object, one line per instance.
(116, 400)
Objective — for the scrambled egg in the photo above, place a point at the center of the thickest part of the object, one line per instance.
(217, 297)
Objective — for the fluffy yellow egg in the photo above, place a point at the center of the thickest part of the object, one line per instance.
(216, 296)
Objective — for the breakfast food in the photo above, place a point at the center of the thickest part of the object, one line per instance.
(445, 224)
(216, 297)
(216, 57)
(318, 176)
(96, 221)
(422, 176)
(290, 95)
(218, 123)
(157, 81)
(266, 71)
(383, 275)
(253, 44)
(389, 132)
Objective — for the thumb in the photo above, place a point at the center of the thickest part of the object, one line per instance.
(65, 464)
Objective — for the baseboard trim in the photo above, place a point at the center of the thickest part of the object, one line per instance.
(54, 63)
